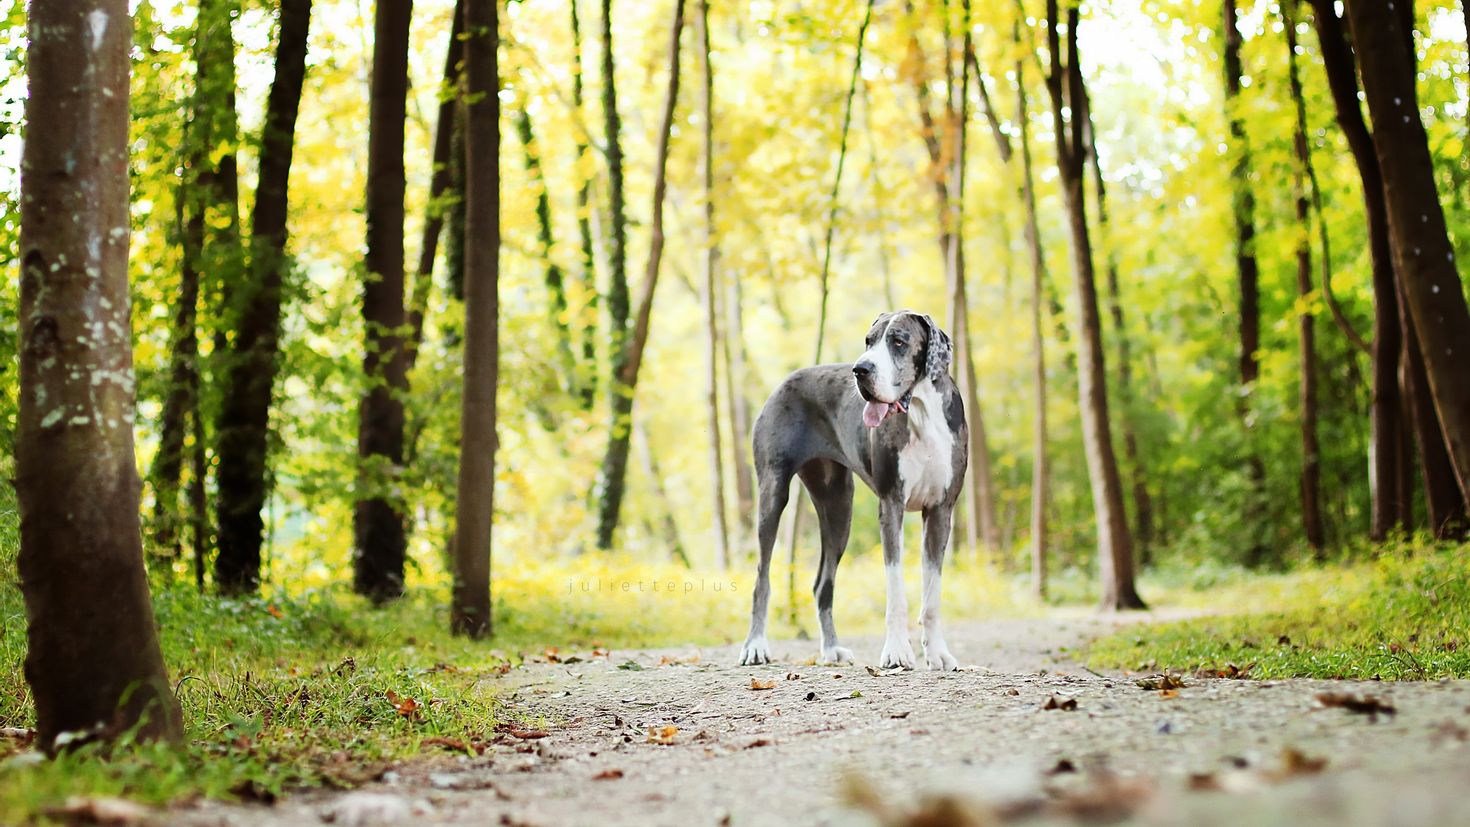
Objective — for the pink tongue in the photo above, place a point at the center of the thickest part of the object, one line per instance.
(875, 412)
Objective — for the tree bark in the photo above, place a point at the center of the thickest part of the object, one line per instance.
(1243, 206)
(250, 365)
(1040, 471)
(710, 288)
(1390, 502)
(617, 232)
(1115, 543)
(93, 660)
(628, 359)
(1311, 473)
(470, 613)
(1423, 256)
(380, 542)
(441, 187)
(739, 404)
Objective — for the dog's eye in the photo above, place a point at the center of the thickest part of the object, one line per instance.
(899, 344)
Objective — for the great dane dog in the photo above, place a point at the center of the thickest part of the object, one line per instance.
(896, 420)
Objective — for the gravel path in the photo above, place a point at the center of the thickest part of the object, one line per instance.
(794, 743)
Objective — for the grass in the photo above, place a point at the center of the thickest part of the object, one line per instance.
(1402, 616)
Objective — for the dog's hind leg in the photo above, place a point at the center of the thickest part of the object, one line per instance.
(775, 490)
(831, 488)
(936, 539)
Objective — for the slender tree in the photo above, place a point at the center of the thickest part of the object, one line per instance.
(250, 363)
(733, 343)
(616, 296)
(710, 287)
(587, 261)
(379, 540)
(1243, 207)
(206, 199)
(1311, 473)
(92, 660)
(1115, 543)
(441, 187)
(1391, 501)
(470, 613)
(1040, 471)
(1423, 255)
(628, 358)
(555, 277)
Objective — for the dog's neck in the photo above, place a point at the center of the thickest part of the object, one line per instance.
(924, 404)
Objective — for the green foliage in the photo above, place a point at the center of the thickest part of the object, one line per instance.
(1403, 616)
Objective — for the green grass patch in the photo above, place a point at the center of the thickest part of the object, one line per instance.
(1402, 616)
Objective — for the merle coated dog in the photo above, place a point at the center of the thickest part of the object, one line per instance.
(896, 420)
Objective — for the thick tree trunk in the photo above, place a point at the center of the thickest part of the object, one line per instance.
(555, 279)
(1391, 502)
(441, 186)
(628, 359)
(250, 366)
(1115, 543)
(1243, 206)
(587, 262)
(1040, 472)
(1423, 255)
(470, 612)
(380, 541)
(710, 287)
(1445, 507)
(1311, 475)
(93, 660)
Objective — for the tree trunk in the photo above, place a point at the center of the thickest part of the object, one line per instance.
(587, 263)
(379, 546)
(1243, 206)
(1423, 255)
(470, 612)
(710, 288)
(1311, 475)
(1391, 502)
(1446, 509)
(662, 523)
(441, 186)
(93, 660)
(250, 365)
(1115, 544)
(1040, 474)
(628, 359)
(739, 405)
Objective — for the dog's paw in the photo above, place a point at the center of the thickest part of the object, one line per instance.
(755, 652)
(897, 652)
(835, 656)
(939, 658)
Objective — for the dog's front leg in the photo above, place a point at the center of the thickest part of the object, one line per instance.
(897, 651)
(936, 539)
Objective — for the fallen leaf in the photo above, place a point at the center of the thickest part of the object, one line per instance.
(901, 715)
(631, 666)
(1369, 705)
(758, 685)
(1204, 781)
(792, 676)
(1064, 704)
(529, 734)
(1160, 682)
(1062, 766)
(662, 735)
(1168, 693)
(759, 742)
(608, 775)
(551, 655)
(78, 810)
(273, 611)
(1295, 763)
(403, 705)
(855, 694)
(871, 671)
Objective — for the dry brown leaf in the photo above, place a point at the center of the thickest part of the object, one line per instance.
(758, 685)
(1370, 705)
(403, 705)
(1160, 682)
(1064, 704)
(608, 775)
(662, 735)
(528, 734)
(1295, 763)
(1168, 693)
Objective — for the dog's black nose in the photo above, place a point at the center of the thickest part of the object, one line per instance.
(862, 370)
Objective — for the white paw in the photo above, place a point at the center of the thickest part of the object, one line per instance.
(938, 657)
(755, 652)
(835, 656)
(896, 652)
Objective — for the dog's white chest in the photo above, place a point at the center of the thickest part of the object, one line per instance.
(926, 463)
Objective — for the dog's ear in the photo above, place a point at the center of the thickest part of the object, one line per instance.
(938, 352)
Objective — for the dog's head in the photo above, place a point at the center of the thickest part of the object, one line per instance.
(903, 349)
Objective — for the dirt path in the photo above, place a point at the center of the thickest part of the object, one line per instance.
(1219, 752)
